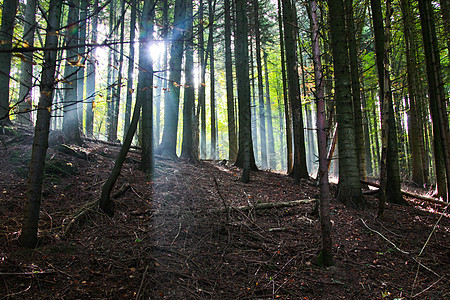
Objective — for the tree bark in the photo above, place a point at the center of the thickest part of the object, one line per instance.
(130, 90)
(212, 97)
(349, 188)
(91, 78)
(28, 237)
(271, 140)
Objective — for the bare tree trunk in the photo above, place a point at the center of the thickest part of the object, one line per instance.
(271, 141)
(28, 237)
(91, 78)
(212, 97)
(130, 90)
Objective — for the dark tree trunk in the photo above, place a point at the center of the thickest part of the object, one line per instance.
(28, 237)
(287, 108)
(349, 189)
(202, 92)
(187, 147)
(212, 97)
(300, 169)
(82, 60)
(232, 137)
(172, 99)
(6, 34)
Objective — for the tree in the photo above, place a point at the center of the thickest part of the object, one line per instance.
(243, 89)
(71, 130)
(6, 36)
(212, 97)
(91, 78)
(187, 147)
(26, 67)
(300, 169)
(271, 142)
(325, 256)
(82, 60)
(202, 84)
(349, 188)
(130, 90)
(143, 98)
(28, 237)
(171, 102)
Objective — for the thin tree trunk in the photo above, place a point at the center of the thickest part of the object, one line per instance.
(28, 238)
(6, 34)
(271, 141)
(202, 92)
(255, 143)
(325, 257)
(232, 137)
(82, 27)
(130, 89)
(26, 67)
(212, 96)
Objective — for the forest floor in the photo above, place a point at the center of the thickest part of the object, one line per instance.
(180, 236)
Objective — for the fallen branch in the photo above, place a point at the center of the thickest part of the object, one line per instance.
(266, 205)
(46, 272)
(110, 143)
(417, 196)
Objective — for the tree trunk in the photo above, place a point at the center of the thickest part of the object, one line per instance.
(325, 255)
(300, 169)
(349, 189)
(262, 109)
(271, 144)
(436, 98)
(91, 78)
(187, 147)
(130, 90)
(28, 237)
(171, 103)
(232, 137)
(82, 60)
(202, 92)
(243, 88)
(6, 35)
(26, 67)
(71, 130)
(212, 96)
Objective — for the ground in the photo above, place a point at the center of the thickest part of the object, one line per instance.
(180, 236)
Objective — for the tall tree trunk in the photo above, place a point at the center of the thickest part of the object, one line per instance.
(271, 141)
(436, 98)
(349, 189)
(287, 108)
(255, 143)
(110, 77)
(212, 97)
(300, 169)
(130, 90)
(445, 9)
(26, 67)
(262, 109)
(232, 137)
(202, 92)
(356, 87)
(325, 256)
(415, 132)
(6, 35)
(91, 78)
(82, 27)
(171, 104)
(28, 238)
(243, 89)
(187, 147)
(71, 130)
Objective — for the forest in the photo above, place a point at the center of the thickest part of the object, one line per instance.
(233, 149)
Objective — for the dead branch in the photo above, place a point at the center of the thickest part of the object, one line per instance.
(406, 193)
(266, 205)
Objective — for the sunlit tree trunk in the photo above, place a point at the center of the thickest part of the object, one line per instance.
(201, 88)
(255, 144)
(271, 141)
(130, 89)
(6, 35)
(212, 97)
(325, 256)
(232, 137)
(171, 103)
(26, 67)
(91, 78)
(70, 128)
(300, 169)
(28, 237)
(82, 60)
(262, 109)
(349, 188)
